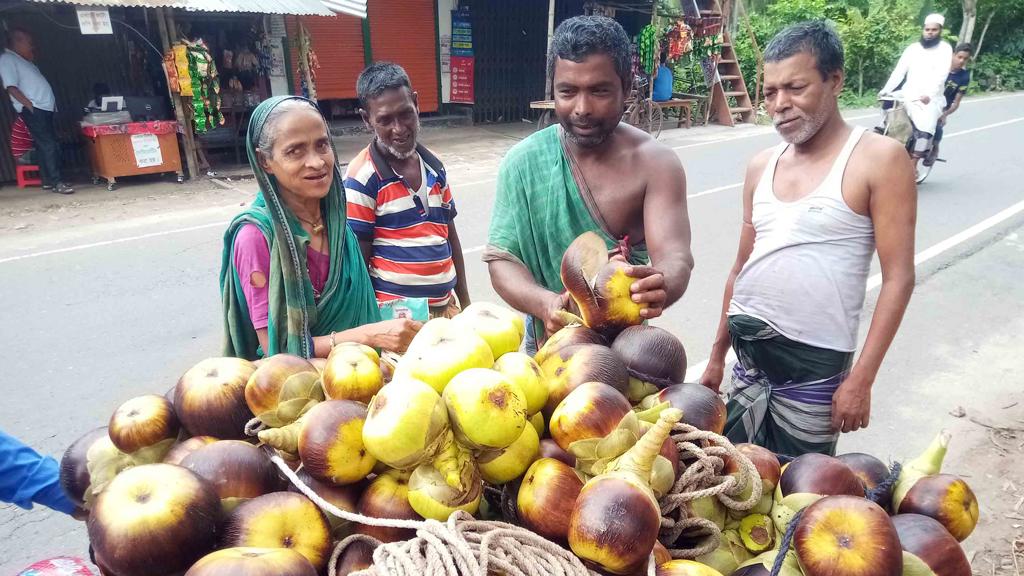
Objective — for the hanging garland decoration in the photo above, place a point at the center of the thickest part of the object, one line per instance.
(647, 47)
(183, 78)
(680, 41)
(171, 71)
(200, 80)
(308, 63)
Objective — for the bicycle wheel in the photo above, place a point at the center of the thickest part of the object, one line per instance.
(657, 120)
(632, 115)
(923, 172)
(545, 120)
(646, 116)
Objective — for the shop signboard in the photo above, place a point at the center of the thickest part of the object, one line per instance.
(94, 20)
(462, 59)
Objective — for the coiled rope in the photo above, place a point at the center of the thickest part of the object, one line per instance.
(462, 546)
(465, 546)
(706, 454)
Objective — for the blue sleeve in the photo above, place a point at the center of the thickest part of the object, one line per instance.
(26, 477)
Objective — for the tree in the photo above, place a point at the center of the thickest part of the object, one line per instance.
(1001, 34)
(984, 31)
(970, 16)
(874, 38)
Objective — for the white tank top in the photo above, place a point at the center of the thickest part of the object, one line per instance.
(807, 272)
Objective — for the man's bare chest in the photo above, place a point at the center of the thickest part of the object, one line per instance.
(617, 193)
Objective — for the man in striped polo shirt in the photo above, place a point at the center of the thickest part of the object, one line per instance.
(399, 203)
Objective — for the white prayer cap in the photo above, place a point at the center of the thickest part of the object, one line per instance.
(935, 19)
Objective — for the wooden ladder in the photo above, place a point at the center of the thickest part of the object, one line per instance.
(730, 85)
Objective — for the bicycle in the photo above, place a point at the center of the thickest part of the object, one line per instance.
(898, 126)
(643, 113)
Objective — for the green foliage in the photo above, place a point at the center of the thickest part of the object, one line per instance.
(850, 99)
(1003, 36)
(873, 39)
(997, 72)
(874, 33)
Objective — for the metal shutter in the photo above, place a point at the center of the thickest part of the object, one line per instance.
(405, 32)
(338, 43)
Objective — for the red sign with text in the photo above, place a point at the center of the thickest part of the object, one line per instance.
(462, 79)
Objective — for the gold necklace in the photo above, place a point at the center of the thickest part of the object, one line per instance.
(316, 227)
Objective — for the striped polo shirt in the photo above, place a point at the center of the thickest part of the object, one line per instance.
(411, 254)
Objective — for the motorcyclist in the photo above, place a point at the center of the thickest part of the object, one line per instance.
(921, 75)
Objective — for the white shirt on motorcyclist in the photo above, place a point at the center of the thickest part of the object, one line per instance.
(923, 72)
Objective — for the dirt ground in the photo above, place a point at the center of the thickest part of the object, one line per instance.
(990, 458)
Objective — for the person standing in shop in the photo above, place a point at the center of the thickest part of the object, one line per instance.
(34, 101)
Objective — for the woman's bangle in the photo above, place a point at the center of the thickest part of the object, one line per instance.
(333, 343)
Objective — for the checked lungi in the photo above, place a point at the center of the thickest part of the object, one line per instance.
(781, 394)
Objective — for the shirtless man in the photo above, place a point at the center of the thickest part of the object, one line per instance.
(815, 209)
(590, 172)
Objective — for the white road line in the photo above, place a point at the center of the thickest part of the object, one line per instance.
(109, 242)
(986, 127)
(957, 239)
(990, 98)
(714, 190)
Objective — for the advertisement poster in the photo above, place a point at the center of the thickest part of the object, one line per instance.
(147, 150)
(462, 60)
(94, 21)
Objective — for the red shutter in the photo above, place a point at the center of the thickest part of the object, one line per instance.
(338, 43)
(404, 32)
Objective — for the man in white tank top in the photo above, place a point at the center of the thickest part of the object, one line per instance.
(815, 209)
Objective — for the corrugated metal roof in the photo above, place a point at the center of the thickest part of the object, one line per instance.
(295, 7)
(351, 7)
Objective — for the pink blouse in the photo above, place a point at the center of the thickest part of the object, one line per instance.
(252, 262)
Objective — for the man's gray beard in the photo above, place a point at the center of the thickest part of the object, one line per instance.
(812, 126)
(395, 152)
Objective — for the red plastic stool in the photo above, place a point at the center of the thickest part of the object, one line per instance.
(23, 171)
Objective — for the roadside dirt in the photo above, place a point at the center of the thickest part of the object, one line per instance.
(991, 460)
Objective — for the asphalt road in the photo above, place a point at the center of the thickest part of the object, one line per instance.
(92, 315)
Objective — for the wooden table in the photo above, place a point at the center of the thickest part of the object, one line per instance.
(684, 106)
(112, 152)
(548, 106)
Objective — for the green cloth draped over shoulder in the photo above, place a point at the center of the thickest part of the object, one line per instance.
(539, 211)
(294, 316)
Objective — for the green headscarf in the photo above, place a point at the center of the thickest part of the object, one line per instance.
(347, 300)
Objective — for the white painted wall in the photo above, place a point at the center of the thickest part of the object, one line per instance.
(444, 35)
(276, 35)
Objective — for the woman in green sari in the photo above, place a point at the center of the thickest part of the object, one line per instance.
(292, 276)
